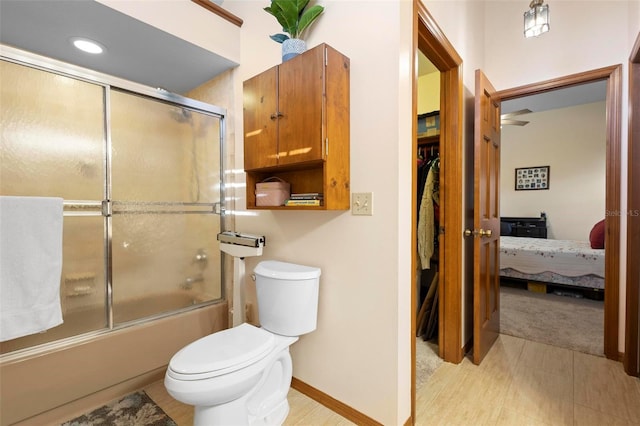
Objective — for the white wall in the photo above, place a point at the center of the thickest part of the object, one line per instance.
(600, 35)
(572, 141)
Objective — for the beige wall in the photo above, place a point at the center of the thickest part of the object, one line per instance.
(363, 336)
(603, 35)
(572, 141)
(186, 20)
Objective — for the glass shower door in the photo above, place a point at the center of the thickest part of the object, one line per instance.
(164, 190)
(140, 176)
(52, 145)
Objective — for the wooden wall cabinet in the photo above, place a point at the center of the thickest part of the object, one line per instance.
(296, 127)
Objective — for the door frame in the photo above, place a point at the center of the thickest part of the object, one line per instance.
(631, 360)
(613, 76)
(431, 41)
(435, 46)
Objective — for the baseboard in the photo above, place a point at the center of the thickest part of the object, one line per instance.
(333, 404)
(80, 406)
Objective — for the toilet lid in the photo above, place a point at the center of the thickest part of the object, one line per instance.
(222, 352)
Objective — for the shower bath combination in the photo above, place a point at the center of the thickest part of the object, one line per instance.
(157, 208)
(141, 192)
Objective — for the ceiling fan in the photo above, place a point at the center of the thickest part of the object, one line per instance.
(507, 119)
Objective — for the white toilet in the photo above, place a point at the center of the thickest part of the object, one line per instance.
(241, 376)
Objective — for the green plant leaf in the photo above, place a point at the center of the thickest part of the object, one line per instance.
(308, 17)
(277, 13)
(279, 37)
(286, 13)
(292, 16)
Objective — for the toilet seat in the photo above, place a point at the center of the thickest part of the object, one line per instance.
(221, 353)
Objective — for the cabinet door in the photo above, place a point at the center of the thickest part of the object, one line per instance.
(260, 121)
(301, 105)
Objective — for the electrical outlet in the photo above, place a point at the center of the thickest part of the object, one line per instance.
(362, 203)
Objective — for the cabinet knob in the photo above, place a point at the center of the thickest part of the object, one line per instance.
(276, 115)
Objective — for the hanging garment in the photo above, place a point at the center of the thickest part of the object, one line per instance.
(427, 220)
(426, 224)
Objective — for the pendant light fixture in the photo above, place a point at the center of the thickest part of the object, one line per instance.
(536, 19)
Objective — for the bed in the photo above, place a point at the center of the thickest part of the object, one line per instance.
(560, 262)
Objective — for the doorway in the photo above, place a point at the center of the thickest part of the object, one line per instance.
(563, 131)
(430, 40)
(428, 199)
(612, 76)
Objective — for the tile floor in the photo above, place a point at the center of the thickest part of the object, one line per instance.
(519, 383)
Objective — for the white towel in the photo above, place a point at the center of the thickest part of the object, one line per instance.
(30, 265)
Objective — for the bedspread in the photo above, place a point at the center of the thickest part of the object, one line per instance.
(538, 255)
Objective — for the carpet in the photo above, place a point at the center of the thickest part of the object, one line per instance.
(427, 360)
(136, 409)
(563, 321)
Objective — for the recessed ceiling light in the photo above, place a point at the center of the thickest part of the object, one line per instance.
(87, 45)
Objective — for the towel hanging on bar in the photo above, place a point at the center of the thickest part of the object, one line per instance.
(30, 265)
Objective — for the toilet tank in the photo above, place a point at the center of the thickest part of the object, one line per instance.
(287, 297)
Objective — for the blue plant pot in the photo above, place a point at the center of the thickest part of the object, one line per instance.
(292, 47)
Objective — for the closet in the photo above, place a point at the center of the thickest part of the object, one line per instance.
(428, 213)
(427, 274)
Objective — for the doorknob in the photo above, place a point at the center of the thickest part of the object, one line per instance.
(484, 233)
(481, 232)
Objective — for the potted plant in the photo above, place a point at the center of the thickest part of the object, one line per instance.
(295, 18)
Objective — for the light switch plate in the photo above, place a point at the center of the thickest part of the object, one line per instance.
(362, 203)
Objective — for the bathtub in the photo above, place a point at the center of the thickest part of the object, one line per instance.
(54, 384)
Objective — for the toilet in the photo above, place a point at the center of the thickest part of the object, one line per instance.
(242, 375)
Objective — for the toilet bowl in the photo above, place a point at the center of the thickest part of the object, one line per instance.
(242, 375)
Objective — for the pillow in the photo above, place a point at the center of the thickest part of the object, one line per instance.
(596, 236)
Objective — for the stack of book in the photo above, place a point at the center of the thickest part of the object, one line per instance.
(305, 199)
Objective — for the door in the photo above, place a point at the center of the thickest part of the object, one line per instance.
(301, 84)
(260, 105)
(486, 220)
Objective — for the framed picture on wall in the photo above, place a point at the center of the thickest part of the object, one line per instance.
(532, 178)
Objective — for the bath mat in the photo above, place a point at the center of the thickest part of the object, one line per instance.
(136, 409)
